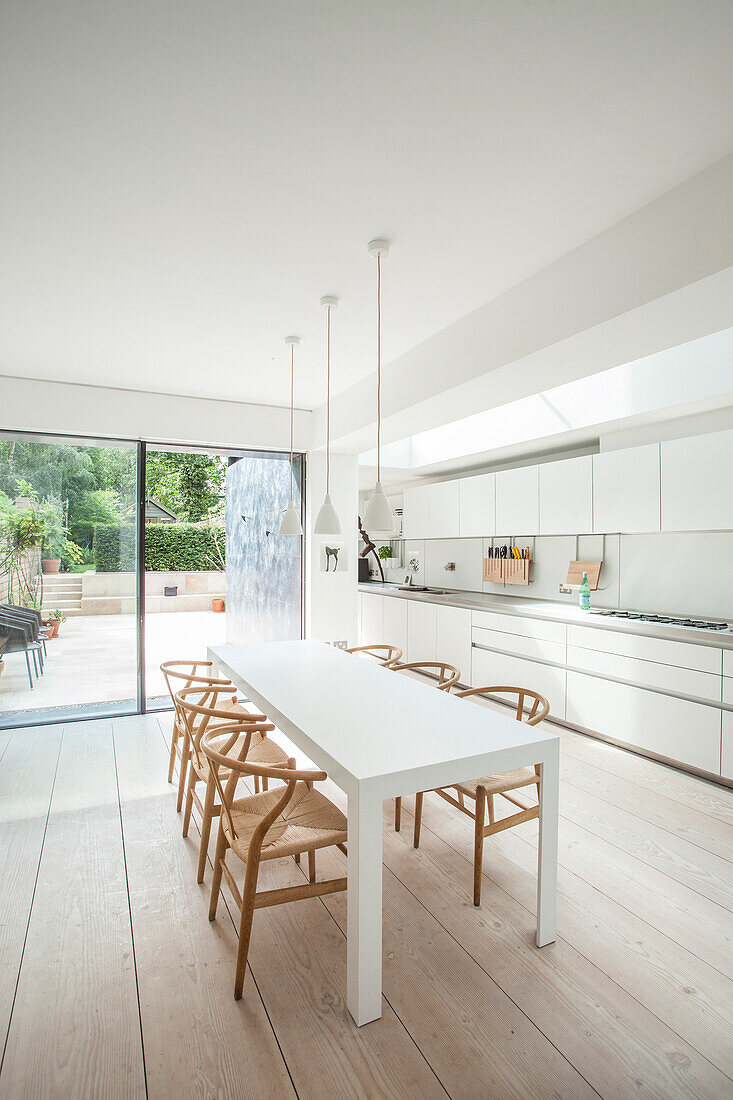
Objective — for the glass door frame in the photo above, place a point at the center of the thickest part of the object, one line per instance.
(51, 716)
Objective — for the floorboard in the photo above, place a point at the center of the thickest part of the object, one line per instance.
(77, 984)
(27, 772)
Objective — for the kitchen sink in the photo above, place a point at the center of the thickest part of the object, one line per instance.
(423, 588)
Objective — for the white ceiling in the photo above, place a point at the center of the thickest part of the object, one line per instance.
(182, 181)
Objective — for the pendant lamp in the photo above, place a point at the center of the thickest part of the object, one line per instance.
(291, 524)
(327, 521)
(378, 517)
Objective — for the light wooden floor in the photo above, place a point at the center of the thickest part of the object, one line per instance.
(114, 984)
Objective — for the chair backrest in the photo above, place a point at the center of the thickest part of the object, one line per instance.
(20, 629)
(385, 654)
(530, 706)
(224, 752)
(28, 618)
(199, 705)
(184, 674)
(446, 675)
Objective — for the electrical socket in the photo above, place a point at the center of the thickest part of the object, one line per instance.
(340, 645)
(564, 590)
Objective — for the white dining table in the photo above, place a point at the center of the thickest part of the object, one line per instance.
(380, 734)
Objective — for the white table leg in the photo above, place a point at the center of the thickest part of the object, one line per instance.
(364, 901)
(547, 856)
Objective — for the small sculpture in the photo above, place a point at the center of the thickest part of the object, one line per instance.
(332, 552)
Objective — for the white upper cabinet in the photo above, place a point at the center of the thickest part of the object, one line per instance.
(517, 502)
(696, 488)
(566, 497)
(477, 503)
(443, 510)
(626, 490)
(415, 507)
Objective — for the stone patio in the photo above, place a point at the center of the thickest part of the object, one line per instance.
(94, 659)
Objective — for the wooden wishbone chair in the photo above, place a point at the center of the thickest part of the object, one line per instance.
(530, 707)
(200, 716)
(180, 675)
(385, 654)
(446, 675)
(280, 822)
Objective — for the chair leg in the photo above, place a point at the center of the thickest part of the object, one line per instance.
(418, 819)
(28, 666)
(221, 849)
(397, 814)
(192, 778)
(172, 764)
(185, 757)
(257, 784)
(35, 663)
(478, 847)
(245, 926)
(206, 826)
(312, 865)
(296, 857)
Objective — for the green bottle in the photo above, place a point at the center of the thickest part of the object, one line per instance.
(585, 594)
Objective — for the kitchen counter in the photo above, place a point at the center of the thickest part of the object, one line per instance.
(527, 607)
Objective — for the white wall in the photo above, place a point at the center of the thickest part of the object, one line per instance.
(60, 407)
(331, 598)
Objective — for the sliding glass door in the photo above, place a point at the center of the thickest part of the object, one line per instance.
(68, 539)
(128, 554)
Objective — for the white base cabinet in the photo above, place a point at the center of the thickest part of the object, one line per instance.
(422, 626)
(675, 728)
(453, 639)
(394, 624)
(370, 618)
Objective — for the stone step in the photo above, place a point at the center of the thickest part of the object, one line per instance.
(62, 605)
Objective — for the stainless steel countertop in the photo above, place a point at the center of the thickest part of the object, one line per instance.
(527, 607)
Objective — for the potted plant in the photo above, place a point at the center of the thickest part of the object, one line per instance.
(55, 619)
(218, 603)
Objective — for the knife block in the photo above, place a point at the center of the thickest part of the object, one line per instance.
(507, 570)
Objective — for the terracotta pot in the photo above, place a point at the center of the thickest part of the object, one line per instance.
(50, 565)
(217, 605)
(53, 628)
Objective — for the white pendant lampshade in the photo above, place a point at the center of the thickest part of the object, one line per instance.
(327, 521)
(291, 524)
(378, 517)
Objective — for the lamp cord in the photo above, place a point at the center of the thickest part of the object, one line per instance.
(379, 364)
(328, 403)
(292, 400)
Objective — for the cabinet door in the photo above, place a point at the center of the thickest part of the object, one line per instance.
(476, 506)
(370, 618)
(454, 639)
(696, 489)
(626, 490)
(443, 510)
(394, 623)
(675, 728)
(566, 496)
(421, 631)
(415, 507)
(517, 502)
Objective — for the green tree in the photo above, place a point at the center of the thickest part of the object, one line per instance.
(191, 485)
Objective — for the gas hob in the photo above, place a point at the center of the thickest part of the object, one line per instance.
(662, 620)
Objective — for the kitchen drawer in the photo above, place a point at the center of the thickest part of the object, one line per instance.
(516, 624)
(728, 662)
(674, 728)
(506, 670)
(421, 631)
(726, 755)
(683, 654)
(728, 689)
(686, 681)
(521, 646)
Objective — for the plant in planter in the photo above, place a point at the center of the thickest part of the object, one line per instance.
(218, 603)
(385, 552)
(55, 619)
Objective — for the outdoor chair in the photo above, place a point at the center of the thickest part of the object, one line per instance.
(20, 640)
(30, 615)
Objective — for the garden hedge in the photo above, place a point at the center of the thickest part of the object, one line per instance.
(169, 547)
